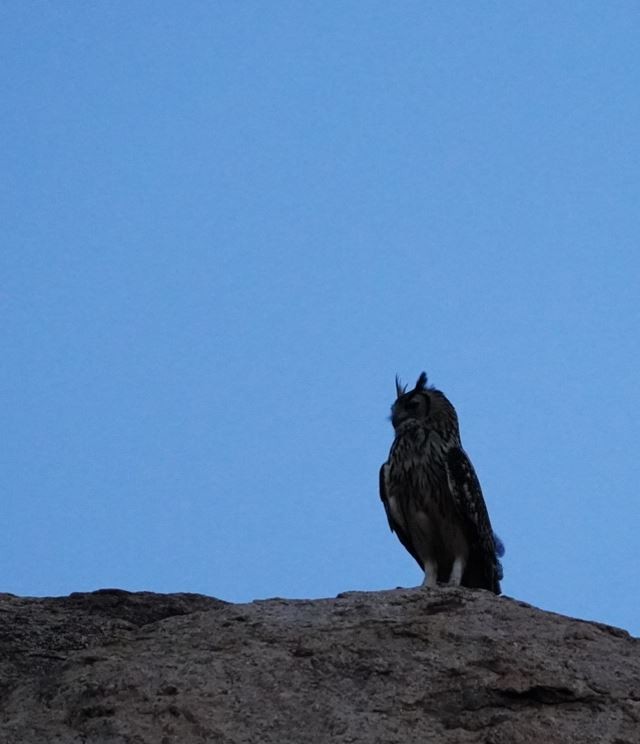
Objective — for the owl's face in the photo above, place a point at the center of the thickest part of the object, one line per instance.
(426, 405)
(413, 405)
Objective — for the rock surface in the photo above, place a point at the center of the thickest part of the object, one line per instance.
(445, 665)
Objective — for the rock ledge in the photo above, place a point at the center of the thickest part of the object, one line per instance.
(411, 666)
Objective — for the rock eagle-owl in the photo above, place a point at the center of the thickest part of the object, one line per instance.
(432, 496)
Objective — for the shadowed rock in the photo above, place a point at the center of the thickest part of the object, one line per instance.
(411, 666)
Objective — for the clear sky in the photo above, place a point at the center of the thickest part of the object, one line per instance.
(226, 226)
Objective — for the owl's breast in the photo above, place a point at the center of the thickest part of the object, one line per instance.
(417, 485)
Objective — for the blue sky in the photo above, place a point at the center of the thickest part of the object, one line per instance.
(226, 226)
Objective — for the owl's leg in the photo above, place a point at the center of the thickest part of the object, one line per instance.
(430, 574)
(456, 571)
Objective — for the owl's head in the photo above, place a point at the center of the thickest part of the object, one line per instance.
(424, 404)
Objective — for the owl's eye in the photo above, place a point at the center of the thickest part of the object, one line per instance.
(421, 402)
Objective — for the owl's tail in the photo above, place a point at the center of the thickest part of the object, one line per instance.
(483, 571)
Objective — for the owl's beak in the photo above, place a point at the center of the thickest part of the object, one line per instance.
(396, 419)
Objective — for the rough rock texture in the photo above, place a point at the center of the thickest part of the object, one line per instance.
(444, 665)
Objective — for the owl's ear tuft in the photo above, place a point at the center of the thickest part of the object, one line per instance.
(400, 389)
(421, 384)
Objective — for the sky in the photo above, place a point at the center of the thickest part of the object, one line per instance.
(227, 226)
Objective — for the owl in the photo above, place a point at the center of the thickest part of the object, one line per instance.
(432, 496)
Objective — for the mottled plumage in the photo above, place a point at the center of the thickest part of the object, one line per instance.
(432, 496)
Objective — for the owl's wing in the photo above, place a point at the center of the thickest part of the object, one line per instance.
(483, 568)
(395, 527)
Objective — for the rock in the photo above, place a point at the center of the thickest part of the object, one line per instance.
(444, 665)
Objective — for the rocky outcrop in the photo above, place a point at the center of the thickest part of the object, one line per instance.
(443, 665)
